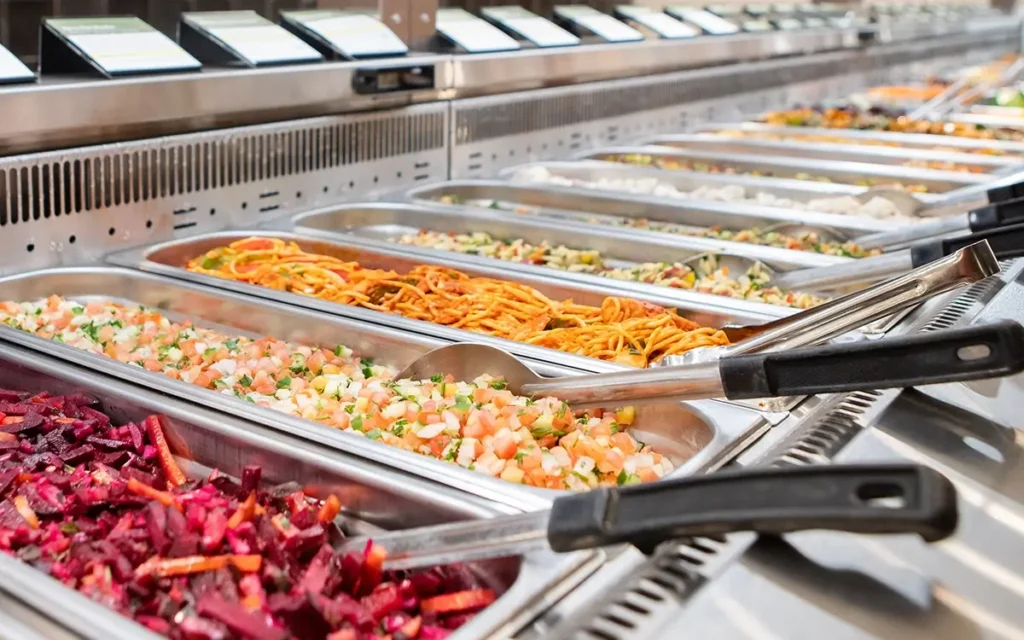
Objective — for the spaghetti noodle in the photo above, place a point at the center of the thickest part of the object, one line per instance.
(620, 330)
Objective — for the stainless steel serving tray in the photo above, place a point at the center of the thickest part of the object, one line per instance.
(938, 182)
(376, 225)
(576, 203)
(873, 154)
(595, 171)
(716, 428)
(989, 121)
(373, 495)
(908, 140)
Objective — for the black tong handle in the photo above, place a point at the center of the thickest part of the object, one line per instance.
(870, 499)
(983, 351)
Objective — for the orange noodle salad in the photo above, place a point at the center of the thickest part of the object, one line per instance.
(479, 424)
(621, 329)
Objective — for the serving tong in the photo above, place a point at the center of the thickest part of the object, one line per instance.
(864, 499)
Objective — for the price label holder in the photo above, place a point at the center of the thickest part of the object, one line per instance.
(662, 24)
(725, 10)
(787, 24)
(241, 38)
(111, 46)
(757, 26)
(584, 20)
(349, 35)
(527, 25)
(12, 70)
(706, 21)
(461, 29)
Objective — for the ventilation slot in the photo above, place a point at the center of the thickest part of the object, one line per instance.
(653, 593)
(49, 185)
(830, 433)
(970, 299)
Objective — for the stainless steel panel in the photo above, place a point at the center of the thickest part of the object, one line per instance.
(938, 182)
(908, 140)
(492, 73)
(371, 494)
(989, 121)
(715, 428)
(60, 112)
(549, 200)
(873, 154)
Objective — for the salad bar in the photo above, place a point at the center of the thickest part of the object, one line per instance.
(558, 399)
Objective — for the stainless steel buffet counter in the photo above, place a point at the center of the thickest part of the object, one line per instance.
(119, 223)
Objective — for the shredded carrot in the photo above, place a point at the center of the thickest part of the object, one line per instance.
(330, 509)
(12, 420)
(155, 428)
(244, 512)
(163, 497)
(8, 437)
(283, 525)
(166, 567)
(26, 512)
(252, 602)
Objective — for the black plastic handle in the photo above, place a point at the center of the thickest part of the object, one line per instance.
(973, 353)
(1006, 242)
(996, 215)
(1006, 192)
(871, 499)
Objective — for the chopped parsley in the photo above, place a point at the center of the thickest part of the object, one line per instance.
(245, 381)
(339, 350)
(520, 456)
(208, 353)
(374, 435)
(499, 385)
(231, 344)
(437, 378)
(367, 366)
(284, 383)
(626, 477)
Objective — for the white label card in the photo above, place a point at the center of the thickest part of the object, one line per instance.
(709, 22)
(355, 34)
(600, 24)
(13, 69)
(540, 31)
(123, 45)
(253, 37)
(473, 34)
(660, 23)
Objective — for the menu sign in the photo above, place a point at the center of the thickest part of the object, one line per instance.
(350, 34)
(13, 70)
(472, 34)
(245, 36)
(537, 30)
(600, 24)
(660, 23)
(708, 22)
(113, 46)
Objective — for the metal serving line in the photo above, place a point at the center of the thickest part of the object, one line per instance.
(108, 186)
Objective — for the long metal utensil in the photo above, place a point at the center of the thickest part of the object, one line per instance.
(992, 216)
(1005, 242)
(864, 499)
(852, 311)
(971, 353)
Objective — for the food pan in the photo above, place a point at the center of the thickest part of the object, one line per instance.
(906, 140)
(371, 494)
(716, 426)
(381, 224)
(576, 203)
(617, 177)
(855, 173)
(873, 154)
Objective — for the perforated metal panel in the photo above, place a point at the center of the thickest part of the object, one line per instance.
(64, 207)
(494, 132)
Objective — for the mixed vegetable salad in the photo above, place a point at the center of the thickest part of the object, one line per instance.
(477, 424)
(707, 277)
